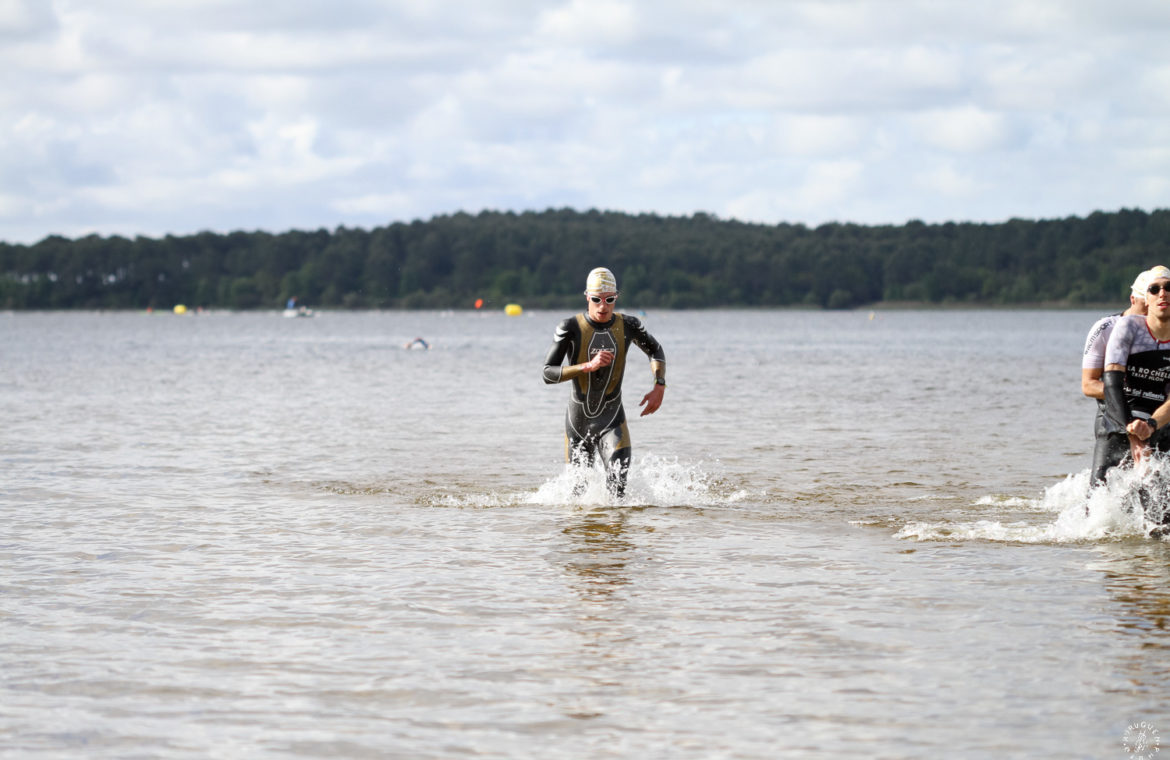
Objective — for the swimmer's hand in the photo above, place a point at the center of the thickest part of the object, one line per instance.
(1139, 432)
(652, 400)
(1138, 449)
(1139, 429)
(601, 359)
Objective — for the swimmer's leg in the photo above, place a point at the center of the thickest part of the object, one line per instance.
(616, 444)
(1109, 451)
(580, 453)
(616, 470)
(1153, 496)
(1155, 493)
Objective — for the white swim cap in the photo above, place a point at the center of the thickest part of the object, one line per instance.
(601, 280)
(1140, 283)
(1145, 278)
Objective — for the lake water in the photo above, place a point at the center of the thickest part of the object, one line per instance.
(846, 535)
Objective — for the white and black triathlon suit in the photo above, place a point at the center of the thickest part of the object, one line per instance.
(1109, 449)
(1147, 374)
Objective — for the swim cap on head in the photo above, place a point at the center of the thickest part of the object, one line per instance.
(1140, 284)
(1153, 273)
(601, 280)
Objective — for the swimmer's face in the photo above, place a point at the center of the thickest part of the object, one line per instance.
(601, 305)
(1158, 297)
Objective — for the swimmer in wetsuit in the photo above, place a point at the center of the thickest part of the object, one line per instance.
(595, 344)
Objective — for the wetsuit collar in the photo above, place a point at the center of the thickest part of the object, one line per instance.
(601, 325)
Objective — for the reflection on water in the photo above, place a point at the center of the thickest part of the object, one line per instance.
(600, 552)
(1137, 574)
(1137, 577)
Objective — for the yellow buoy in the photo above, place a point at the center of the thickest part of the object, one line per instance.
(180, 309)
(513, 310)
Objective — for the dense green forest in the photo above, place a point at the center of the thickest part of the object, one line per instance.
(539, 259)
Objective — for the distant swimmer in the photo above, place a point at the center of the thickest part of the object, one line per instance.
(1136, 378)
(595, 344)
(292, 309)
(418, 342)
(1111, 445)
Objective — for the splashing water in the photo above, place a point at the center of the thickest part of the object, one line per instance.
(653, 481)
(1113, 510)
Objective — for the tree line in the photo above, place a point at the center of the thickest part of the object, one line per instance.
(539, 259)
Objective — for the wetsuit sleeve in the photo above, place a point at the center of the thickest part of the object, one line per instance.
(563, 345)
(644, 340)
(1116, 409)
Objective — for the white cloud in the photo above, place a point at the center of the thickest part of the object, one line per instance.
(216, 114)
(829, 182)
(384, 205)
(827, 80)
(13, 205)
(963, 130)
(947, 180)
(588, 22)
(1151, 92)
(25, 18)
(816, 135)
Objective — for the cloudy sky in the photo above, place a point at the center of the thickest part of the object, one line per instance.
(173, 116)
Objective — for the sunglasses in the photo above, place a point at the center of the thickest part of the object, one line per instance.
(611, 299)
(1158, 287)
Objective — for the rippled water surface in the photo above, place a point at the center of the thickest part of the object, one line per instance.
(846, 535)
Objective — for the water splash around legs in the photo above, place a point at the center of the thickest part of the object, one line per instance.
(1131, 503)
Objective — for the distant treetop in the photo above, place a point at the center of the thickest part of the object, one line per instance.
(539, 259)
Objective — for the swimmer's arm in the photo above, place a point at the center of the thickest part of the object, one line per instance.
(653, 349)
(562, 346)
(1091, 383)
(652, 400)
(553, 372)
(601, 359)
(648, 343)
(1140, 430)
(657, 356)
(1116, 407)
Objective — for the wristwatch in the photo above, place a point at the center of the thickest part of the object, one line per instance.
(1153, 423)
(660, 381)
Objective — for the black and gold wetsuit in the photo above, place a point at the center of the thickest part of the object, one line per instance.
(596, 422)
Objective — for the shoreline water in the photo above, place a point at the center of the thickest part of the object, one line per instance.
(877, 306)
(845, 537)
